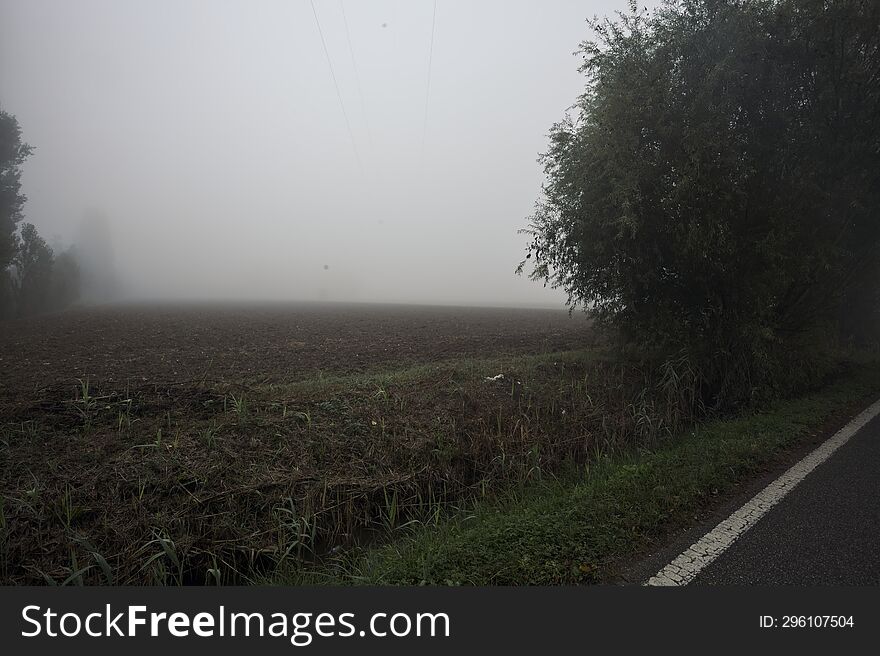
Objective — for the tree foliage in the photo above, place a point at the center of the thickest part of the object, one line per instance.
(13, 153)
(32, 279)
(717, 186)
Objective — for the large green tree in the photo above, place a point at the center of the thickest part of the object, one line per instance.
(717, 186)
(13, 153)
(32, 279)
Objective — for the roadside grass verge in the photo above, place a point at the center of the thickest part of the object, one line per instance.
(578, 527)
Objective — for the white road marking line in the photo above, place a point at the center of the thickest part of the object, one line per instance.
(685, 567)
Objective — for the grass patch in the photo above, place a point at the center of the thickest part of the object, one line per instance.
(576, 528)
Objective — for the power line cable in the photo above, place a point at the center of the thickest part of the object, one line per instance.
(357, 76)
(428, 85)
(336, 86)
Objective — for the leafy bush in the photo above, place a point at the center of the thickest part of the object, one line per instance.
(716, 188)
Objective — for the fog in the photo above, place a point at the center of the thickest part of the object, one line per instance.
(203, 145)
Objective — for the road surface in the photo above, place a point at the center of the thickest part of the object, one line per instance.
(824, 530)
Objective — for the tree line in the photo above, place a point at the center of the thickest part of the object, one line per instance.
(715, 191)
(33, 278)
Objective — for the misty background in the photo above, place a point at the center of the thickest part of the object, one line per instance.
(200, 150)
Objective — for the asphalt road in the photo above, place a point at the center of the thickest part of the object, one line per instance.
(826, 531)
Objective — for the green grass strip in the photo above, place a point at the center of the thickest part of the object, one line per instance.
(575, 530)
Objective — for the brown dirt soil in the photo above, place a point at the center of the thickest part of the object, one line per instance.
(263, 343)
(215, 444)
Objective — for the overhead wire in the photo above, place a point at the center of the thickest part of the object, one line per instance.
(357, 77)
(336, 86)
(428, 84)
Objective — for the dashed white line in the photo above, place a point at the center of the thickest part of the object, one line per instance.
(686, 566)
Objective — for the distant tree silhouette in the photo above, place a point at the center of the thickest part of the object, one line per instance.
(99, 281)
(66, 281)
(33, 265)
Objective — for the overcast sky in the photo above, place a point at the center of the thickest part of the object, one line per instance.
(211, 137)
